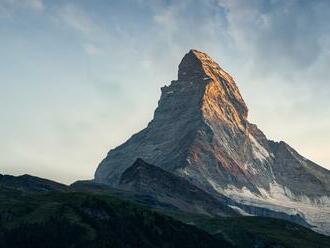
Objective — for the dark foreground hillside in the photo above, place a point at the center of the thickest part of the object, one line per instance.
(85, 220)
(31, 216)
(252, 231)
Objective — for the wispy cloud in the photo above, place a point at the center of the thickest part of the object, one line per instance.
(74, 17)
(281, 33)
(36, 4)
(9, 7)
(91, 49)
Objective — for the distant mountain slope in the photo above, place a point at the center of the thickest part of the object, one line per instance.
(29, 183)
(200, 131)
(300, 175)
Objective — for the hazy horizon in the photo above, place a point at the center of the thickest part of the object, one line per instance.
(79, 78)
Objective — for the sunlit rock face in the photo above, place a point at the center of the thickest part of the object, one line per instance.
(200, 131)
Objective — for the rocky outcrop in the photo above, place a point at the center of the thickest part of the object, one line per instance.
(167, 188)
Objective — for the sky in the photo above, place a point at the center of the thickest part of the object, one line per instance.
(78, 78)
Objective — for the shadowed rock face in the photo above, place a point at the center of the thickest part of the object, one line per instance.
(200, 131)
(148, 179)
(300, 175)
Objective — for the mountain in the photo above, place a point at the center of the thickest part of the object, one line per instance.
(200, 131)
(166, 187)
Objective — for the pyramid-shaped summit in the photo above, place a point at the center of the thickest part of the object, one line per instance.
(200, 131)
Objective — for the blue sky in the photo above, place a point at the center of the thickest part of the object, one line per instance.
(78, 78)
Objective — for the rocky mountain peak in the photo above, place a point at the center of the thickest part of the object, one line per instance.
(202, 105)
(221, 98)
(191, 66)
(196, 65)
(208, 90)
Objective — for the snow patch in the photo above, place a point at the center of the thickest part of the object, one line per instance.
(249, 166)
(259, 151)
(283, 193)
(244, 192)
(277, 198)
(280, 198)
(239, 210)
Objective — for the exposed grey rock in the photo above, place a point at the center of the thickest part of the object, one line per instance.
(300, 175)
